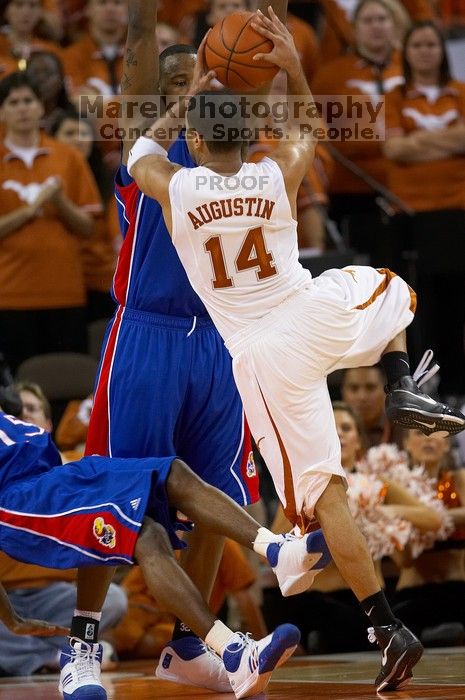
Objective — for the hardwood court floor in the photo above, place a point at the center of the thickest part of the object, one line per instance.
(440, 675)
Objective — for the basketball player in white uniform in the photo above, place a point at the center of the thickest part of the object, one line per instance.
(233, 225)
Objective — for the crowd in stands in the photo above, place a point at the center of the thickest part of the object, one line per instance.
(394, 201)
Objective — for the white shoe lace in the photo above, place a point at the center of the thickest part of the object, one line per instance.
(423, 372)
(82, 658)
(371, 635)
(246, 641)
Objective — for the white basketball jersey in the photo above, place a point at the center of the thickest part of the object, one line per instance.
(237, 241)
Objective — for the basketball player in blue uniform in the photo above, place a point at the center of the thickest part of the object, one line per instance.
(165, 383)
(114, 511)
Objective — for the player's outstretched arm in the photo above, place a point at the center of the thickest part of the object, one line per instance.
(15, 623)
(141, 66)
(148, 164)
(295, 153)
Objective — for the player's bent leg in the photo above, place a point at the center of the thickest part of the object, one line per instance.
(401, 649)
(290, 556)
(249, 664)
(187, 659)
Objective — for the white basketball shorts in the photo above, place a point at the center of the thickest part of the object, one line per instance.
(343, 318)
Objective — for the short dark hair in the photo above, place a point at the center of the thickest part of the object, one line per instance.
(444, 68)
(175, 50)
(15, 81)
(217, 116)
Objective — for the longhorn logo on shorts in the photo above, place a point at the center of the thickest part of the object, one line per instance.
(105, 534)
(251, 469)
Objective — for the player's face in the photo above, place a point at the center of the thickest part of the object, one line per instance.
(176, 74)
(349, 438)
(33, 411)
(374, 28)
(23, 15)
(424, 51)
(21, 111)
(193, 142)
(424, 449)
(108, 15)
(363, 390)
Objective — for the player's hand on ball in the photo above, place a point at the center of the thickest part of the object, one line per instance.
(202, 79)
(36, 628)
(284, 53)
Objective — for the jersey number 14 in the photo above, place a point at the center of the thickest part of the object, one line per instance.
(252, 254)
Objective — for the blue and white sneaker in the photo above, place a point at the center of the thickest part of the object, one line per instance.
(297, 560)
(250, 664)
(190, 661)
(80, 664)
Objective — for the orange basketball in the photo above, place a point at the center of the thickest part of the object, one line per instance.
(230, 48)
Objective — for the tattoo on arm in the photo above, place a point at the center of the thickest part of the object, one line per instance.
(131, 59)
(126, 82)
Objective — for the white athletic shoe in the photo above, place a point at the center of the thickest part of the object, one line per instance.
(80, 671)
(189, 661)
(250, 663)
(297, 560)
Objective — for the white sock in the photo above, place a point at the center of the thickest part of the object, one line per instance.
(219, 637)
(88, 613)
(263, 539)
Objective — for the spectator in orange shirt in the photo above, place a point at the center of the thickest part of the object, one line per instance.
(48, 201)
(94, 64)
(372, 69)
(338, 33)
(425, 145)
(18, 40)
(99, 252)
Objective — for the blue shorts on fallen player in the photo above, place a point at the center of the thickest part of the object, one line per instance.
(84, 513)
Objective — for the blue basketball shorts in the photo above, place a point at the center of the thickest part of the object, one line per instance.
(85, 513)
(165, 386)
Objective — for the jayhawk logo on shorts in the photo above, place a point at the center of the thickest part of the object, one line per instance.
(105, 534)
(251, 468)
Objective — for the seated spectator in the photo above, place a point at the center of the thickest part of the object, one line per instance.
(36, 407)
(430, 592)
(425, 147)
(362, 388)
(98, 253)
(18, 40)
(94, 63)
(46, 71)
(49, 200)
(373, 68)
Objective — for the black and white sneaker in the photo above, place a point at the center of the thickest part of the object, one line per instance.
(409, 407)
(401, 650)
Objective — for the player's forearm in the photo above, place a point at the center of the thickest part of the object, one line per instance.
(141, 70)
(9, 223)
